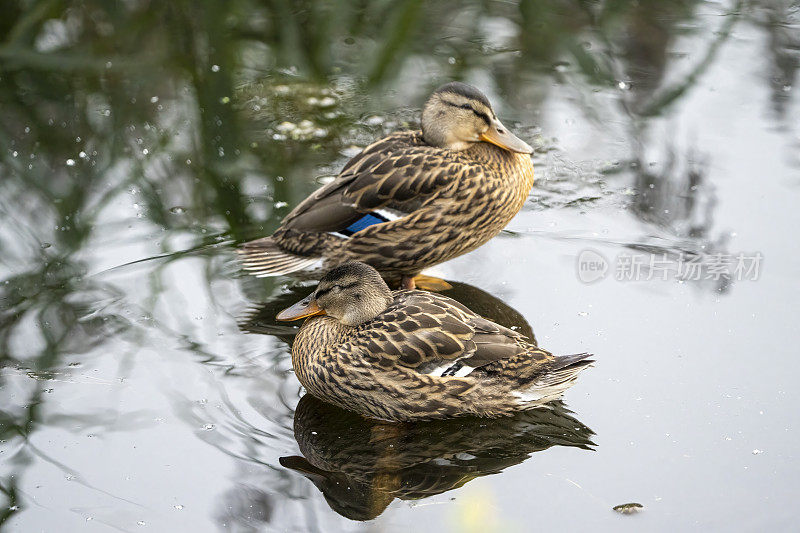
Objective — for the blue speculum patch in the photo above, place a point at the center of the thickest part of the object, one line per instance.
(367, 220)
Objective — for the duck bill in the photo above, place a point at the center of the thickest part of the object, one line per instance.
(306, 307)
(499, 135)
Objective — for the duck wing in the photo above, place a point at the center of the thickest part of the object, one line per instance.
(388, 180)
(436, 335)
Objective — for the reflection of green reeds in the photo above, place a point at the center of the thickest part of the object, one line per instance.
(11, 504)
(185, 81)
(668, 95)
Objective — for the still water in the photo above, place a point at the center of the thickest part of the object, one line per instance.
(144, 384)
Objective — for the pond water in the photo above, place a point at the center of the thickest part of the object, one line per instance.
(145, 385)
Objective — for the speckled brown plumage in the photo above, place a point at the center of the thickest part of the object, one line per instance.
(449, 203)
(402, 364)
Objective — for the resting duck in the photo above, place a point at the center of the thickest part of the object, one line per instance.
(410, 200)
(414, 355)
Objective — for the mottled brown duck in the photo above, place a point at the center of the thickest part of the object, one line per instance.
(414, 355)
(409, 201)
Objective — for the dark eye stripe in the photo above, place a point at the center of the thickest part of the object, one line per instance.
(484, 116)
(325, 291)
(322, 292)
(481, 114)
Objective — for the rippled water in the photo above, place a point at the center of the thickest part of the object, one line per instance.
(144, 384)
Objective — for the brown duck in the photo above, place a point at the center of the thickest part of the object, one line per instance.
(415, 355)
(410, 200)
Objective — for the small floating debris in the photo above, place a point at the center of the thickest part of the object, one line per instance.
(757, 451)
(628, 508)
(325, 101)
(303, 131)
(323, 180)
(352, 150)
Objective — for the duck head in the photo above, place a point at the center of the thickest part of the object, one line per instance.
(457, 115)
(352, 293)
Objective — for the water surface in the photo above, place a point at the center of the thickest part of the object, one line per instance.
(145, 386)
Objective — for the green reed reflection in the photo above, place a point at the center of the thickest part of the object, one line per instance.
(174, 128)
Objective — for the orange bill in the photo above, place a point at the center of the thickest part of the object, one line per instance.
(306, 307)
(500, 135)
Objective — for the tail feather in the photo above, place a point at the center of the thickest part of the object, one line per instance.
(563, 361)
(565, 370)
(561, 376)
(263, 258)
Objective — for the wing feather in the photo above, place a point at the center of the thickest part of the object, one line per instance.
(437, 335)
(399, 172)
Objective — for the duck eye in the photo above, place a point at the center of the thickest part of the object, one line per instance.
(466, 106)
(319, 293)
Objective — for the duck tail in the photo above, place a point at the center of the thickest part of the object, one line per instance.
(576, 361)
(264, 258)
(560, 376)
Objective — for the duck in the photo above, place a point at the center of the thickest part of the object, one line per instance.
(410, 355)
(409, 201)
(259, 319)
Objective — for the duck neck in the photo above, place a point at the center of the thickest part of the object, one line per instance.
(515, 169)
(315, 342)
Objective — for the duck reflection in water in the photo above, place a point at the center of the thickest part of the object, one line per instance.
(361, 465)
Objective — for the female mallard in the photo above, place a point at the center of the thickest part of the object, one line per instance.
(415, 355)
(411, 200)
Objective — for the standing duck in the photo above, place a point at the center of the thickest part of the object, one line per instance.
(410, 200)
(413, 355)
